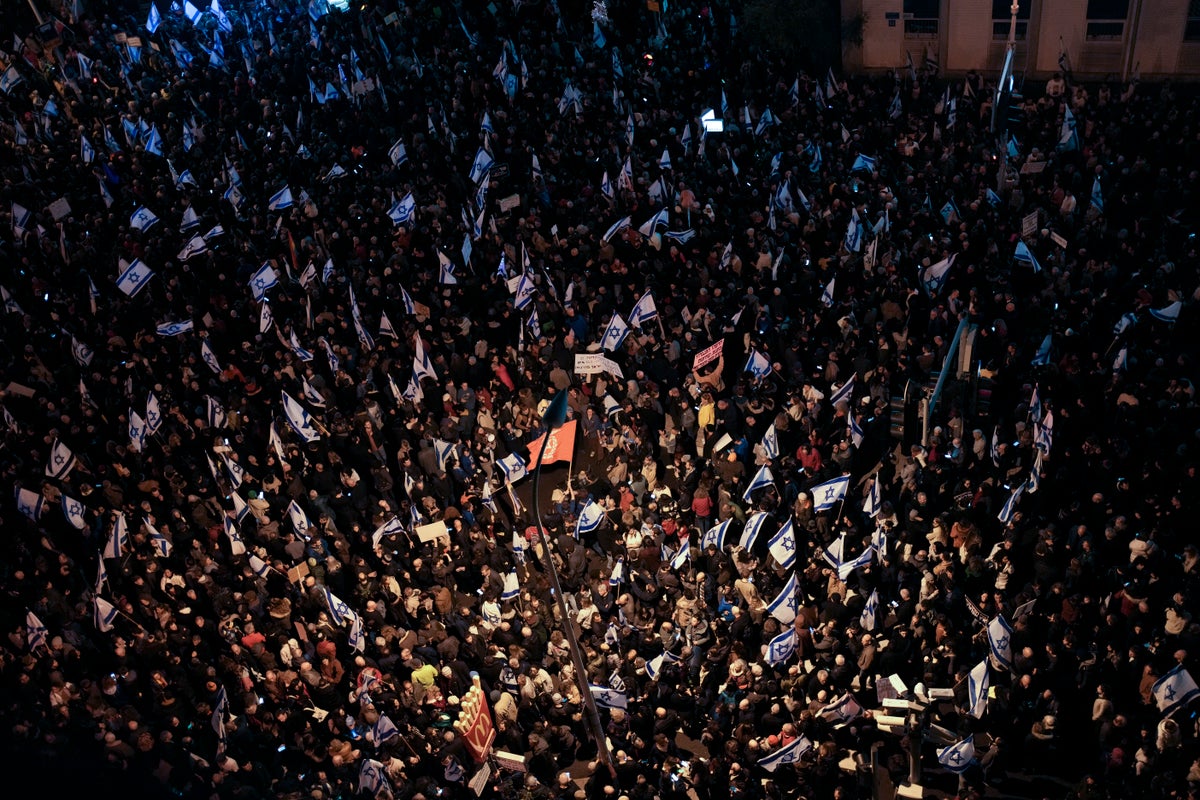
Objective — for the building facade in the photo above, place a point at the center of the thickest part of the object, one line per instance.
(1100, 38)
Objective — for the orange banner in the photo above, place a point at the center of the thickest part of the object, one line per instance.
(561, 446)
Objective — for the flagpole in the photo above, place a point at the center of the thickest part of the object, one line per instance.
(555, 416)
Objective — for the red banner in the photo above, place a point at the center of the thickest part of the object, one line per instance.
(475, 723)
(561, 446)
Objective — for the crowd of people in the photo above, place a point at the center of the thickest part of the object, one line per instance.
(285, 287)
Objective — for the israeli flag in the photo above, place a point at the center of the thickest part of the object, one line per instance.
(61, 461)
(758, 365)
(512, 586)
(73, 511)
(383, 730)
(35, 631)
(617, 227)
(175, 328)
(300, 521)
(750, 532)
(525, 290)
(863, 164)
(338, 611)
(589, 518)
(1000, 643)
(193, 14)
(786, 755)
(618, 573)
(648, 227)
(513, 467)
(398, 153)
(281, 200)
(844, 393)
(827, 292)
(143, 219)
(137, 431)
(815, 165)
(644, 310)
(1174, 690)
(615, 333)
(716, 536)
(446, 266)
(873, 504)
(298, 419)
(134, 278)
(826, 495)
(481, 166)
(118, 538)
(783, 546)
(262, 281)
(154, 142)
(83, 354)
(1168, 314)
(958, 757)
(106, 614)
(160, 543)
(372, 779)
(402, 210)
(1024, 255)
(598, 36)
(761, 479)
(607, 697)
(770, 443)
(196, 246)
(781, 648)
(87, 153)
(787, 603)
(1042, 357)
(934, 276)
(30, 503)
(869, 612)
(846, 569)
(844, 709)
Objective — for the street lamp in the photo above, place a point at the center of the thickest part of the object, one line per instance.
(555, 416)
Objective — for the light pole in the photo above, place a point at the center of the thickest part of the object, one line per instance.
(1004, 95)
(555, 416)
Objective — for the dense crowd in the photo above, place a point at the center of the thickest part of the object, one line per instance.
(284, 287)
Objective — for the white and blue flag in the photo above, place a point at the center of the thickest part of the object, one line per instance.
(1023, 255)
(716, 535)
(175, 328)
(281, 200)
(934, 276)
(770, 443)
(134, 278)
(782, 647)
(958, 757)
(790, 754)
(607, 697)
(826, 495)
(299, 420)
(783, 545)
(1174, 690)
(143, 219)
(787, 603)
(338, 611)
(262, 281)
(757, 364)
(589, 518)
(978, 682)
(403, 209)
(615, 333)
(999, 634)
(750, 532)
(762, 478)
(870, 611)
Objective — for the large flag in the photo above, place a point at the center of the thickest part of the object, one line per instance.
(958, 757)
(615, 333)
(560, 446)
(868, 617)
(1000, 643)
(789, 754)
(134, 278)
(298, 419)
(781, 648)
(786, 603)
(934, 276)
(750, 532)
(513, 467)
(118, 538)
(153, 20)
(977, 689)
(589, 518)
(783, 545)
(143, 219)
(30, 503)
(762, 478)
(1174, 690)
(644, 310)
(844, 393)
(106, 614)
(826, 495)
(338, 611)
(844, 709)
(73, 511)
(716, 536)
(758, 365)
(61, 461)
(770, 443)
(607, 697)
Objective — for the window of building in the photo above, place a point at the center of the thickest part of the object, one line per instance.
(921, 18)
(1191, 32)
(1002, 15)
(1106, 18)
